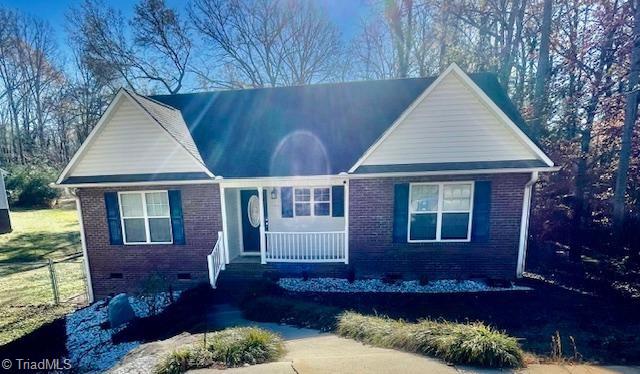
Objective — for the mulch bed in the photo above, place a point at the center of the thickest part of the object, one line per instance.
(189, 313)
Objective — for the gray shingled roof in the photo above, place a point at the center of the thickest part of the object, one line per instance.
(305, 130)
(170, 119)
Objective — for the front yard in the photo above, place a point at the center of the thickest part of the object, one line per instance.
(591, 328)
(39, 234)
(26, 299)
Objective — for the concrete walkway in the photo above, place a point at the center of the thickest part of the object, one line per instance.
(309, 351)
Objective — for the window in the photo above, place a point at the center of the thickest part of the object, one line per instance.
(321, 201)
(312, 201)
(440, 211)
(145, 217)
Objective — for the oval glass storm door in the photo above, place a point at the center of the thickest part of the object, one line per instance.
(250, 212)
(253, 211)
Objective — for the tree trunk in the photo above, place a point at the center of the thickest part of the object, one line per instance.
(630, 118)
(513, 37)
(442, 48)
(542, 71)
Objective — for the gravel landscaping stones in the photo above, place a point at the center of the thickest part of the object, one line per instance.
(376, 285)
(89, 345)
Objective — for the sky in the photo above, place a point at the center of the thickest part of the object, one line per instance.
(345, 13)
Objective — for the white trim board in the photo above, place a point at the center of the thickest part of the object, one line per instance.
(85, 254)
(454, 69)
(303, 181)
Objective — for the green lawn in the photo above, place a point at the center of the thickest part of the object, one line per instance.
(26, 297)
(39, 234)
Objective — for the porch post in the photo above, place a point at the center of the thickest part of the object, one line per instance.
(346, 222)
(223, 210)
(263, 241)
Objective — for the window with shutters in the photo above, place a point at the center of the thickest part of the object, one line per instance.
(145, 217)
(314, 201)
(440, 212)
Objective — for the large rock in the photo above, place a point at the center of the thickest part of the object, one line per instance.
(120, 311)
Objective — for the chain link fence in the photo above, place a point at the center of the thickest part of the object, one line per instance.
(50, 282)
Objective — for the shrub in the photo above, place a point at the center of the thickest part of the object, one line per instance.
(229, 348)
(470, 343)
(247, 345)
(28, 186)
(284, 310)
(184, 359)
(152, 291)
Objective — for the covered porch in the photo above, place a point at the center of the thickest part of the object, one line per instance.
(298, 221)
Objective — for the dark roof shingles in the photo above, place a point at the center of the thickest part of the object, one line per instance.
(304, 130)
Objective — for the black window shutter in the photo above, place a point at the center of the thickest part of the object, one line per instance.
(286, 195)
(400, 212)
(481, 225)
(337, 201)
(113, 218)
(177, 222)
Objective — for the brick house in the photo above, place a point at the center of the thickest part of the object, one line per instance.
(422, 177)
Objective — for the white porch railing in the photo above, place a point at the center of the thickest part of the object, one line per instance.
(327, 246)
(215, 260)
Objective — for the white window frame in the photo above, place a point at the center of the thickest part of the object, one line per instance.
(145, 216)
(312, 208)
(440, 211)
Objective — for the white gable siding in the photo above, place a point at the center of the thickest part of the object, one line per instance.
(132, 143)
(451, 124)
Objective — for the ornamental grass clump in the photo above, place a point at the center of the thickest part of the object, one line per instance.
(184, 359)
(469, 343)
(227, 348)
(248, 345)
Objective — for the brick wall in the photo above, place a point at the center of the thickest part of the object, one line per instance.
(373, 253)
(202, 221)
(371, 250)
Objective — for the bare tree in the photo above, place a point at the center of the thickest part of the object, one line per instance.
(630, 118)
(373, 52)
(40, 71)
(265, 42)
(11, 80)
(399, 40)
(400, 17)
(159, 52)
(543, 70)
(29, 79)
(162, 36)
(311, 46)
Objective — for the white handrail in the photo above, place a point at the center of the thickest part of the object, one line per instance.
(215, 260)
(324, 246)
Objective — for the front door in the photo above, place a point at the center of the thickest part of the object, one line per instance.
(250, 211)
